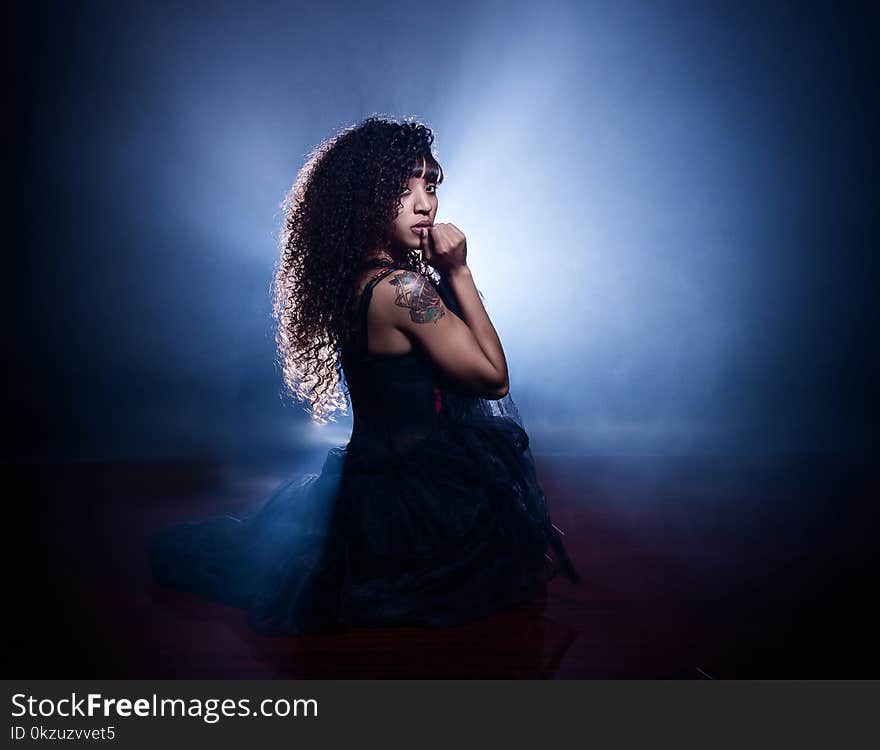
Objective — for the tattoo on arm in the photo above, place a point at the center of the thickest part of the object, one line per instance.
(416, 293)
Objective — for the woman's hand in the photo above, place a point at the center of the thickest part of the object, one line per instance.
(444, 246)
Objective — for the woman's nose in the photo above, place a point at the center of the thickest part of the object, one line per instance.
(422, 203)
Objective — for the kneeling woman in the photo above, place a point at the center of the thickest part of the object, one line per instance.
(431, 515)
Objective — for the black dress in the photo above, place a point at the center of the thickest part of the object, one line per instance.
(431, 515)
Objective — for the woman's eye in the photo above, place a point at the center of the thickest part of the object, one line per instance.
(406, 190)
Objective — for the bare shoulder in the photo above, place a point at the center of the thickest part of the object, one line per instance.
(412, 292)
(360, 284)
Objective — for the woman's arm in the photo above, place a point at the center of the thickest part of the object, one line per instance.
(411, 303)
(474, 314)
(466, 348)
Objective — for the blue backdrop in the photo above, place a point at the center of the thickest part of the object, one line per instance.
(670, 209)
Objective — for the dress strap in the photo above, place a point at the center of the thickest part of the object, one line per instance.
(366, 296)
(367, 292)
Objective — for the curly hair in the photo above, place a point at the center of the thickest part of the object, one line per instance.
(340, 209)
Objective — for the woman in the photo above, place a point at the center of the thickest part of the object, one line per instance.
(431, 515)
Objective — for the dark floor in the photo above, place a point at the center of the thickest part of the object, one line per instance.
(701, 567)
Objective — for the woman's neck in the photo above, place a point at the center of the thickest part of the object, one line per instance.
(382, 257)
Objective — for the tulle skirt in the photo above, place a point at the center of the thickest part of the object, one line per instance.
(450, 530)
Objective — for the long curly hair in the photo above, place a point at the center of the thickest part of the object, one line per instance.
(340, 209)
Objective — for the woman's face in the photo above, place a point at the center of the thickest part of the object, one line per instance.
(419, 201)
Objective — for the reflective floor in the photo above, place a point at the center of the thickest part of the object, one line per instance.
(693, 568)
